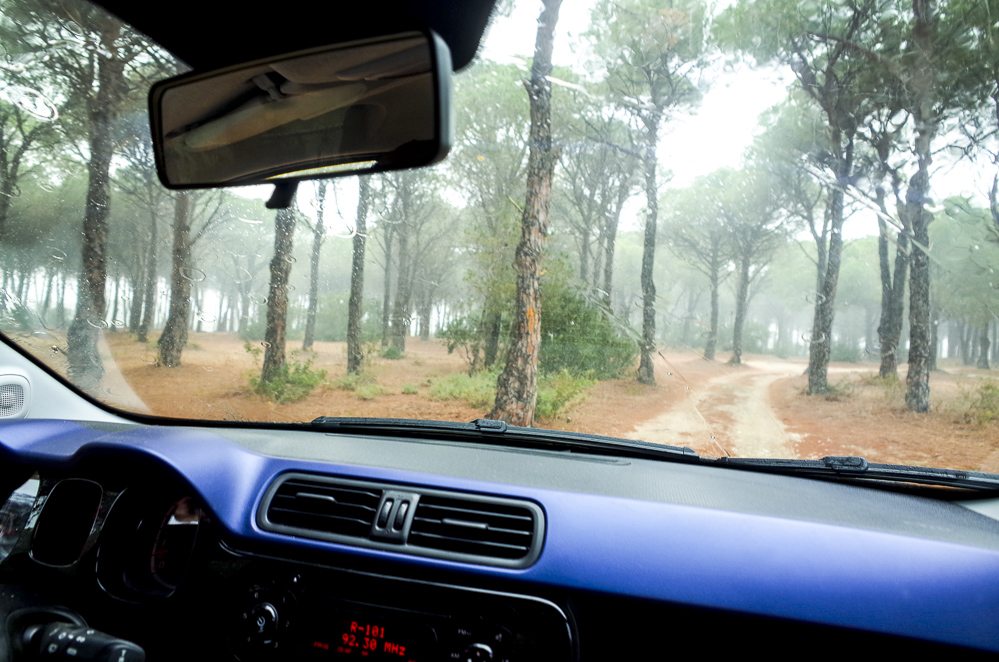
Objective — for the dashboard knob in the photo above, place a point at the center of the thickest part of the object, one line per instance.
(262, 622)
(477, 653)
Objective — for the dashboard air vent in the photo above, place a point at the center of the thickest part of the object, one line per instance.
(324, 507)
(405, 519)
(475, 527)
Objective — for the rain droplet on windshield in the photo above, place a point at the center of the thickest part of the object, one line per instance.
(192, 274)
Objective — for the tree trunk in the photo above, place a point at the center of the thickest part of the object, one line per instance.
(610, 245)
(492, 329)
(892, 299)
(387, 287)
(149, 285)
(399, 327)
(741, 304)
(983, 347)
(711, 343)
(517, 386)
(135, 301)
(61, 302)
(967, 349)
(318, 234)
(50, 276)
(85, 367)
(115, 303)
(355, 354)
(174, 336)
(277, 296)
(820, 344)
(584, 258)
(917, 380)
(646, 368)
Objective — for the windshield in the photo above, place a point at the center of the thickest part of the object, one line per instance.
(755, 228)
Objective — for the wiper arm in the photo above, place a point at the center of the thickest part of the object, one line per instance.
(493, 431)
(858, 468)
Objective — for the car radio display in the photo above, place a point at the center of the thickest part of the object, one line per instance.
(374, 640)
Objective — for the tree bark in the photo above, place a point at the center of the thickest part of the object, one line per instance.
(711, 343)
(355, 354)
(174, 336)
(399, 327)
(983, 347)
(492, 329)
(277, 296)
(318, 234)
(85, 366)
(517, 386)
(892, 300)
(917, 396)
(820, 344)
(387, 287)
(646, 368)
(149, 285)
(741, 304)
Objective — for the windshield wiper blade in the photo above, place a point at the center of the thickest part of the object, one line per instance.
(493, 431)
(858, 468)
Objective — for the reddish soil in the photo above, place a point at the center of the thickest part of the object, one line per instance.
(757, 409)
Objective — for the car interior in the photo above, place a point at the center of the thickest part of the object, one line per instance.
(129, 537)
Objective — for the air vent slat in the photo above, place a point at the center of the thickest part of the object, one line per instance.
(473, 526)
(323, 508)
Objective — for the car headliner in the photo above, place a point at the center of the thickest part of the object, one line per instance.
(218, 34)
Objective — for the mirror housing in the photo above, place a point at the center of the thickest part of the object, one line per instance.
(359, 107)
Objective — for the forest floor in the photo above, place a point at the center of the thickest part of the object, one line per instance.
(758, 409)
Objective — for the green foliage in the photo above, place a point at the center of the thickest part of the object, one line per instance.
(296, 381)
(410, 389)
(984, 406)
(578, 337)
(463, 334)
(392, 353)
(559, 391)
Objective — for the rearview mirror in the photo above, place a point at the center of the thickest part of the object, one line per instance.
(379, 104)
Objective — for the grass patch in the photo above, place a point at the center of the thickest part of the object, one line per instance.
(557, 392)
(362, 385)
(478, 390)
(296, 381)
(410, 389)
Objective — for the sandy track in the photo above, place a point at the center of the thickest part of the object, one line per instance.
(729, 414)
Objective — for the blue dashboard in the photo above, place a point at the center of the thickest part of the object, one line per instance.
(624, 540)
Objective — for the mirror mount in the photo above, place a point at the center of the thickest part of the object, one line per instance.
(284, 193)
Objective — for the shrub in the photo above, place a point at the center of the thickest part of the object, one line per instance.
(557, 392)
(462, 334)
(984, 407)
(296, 381)
(392, 353)
(578, 336)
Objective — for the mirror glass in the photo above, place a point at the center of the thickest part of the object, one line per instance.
(364, 106)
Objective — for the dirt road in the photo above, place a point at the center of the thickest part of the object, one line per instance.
(729, 414)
